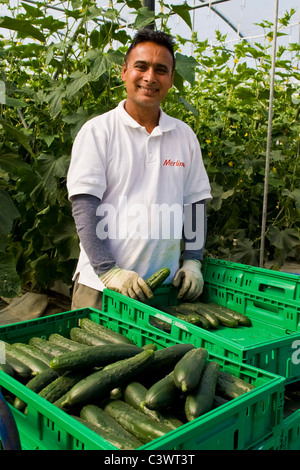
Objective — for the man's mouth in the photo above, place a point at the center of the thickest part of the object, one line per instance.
(148, 90)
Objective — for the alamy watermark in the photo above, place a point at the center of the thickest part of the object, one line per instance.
(2, 92)
(2, 353)
(159, 221)
(296, 354)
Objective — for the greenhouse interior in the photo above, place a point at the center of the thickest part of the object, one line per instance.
(182, 244)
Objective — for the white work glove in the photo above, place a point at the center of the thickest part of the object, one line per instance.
(126, 282)
(190, 278)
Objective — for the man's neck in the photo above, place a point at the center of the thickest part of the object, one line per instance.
(146, 117)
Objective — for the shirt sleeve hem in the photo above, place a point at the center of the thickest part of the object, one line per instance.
(197, 197)
(84, 189)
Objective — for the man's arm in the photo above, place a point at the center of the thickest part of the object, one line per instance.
(189, 277)
(129, 283)
(84, 207)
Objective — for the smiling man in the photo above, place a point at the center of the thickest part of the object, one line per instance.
(138, 186)
(148, 72)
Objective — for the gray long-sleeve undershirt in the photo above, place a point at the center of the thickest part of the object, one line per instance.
(84, 208)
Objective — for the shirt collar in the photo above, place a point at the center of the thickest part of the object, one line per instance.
(166, 123)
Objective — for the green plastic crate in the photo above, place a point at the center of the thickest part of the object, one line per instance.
(238, 424)
(262, 345)
(290, 438)
(263, 294)
(271, 443)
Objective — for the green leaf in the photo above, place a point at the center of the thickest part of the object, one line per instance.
(50, 166)
(55, 98)
(14, 102)
(22, 26)
(188, 106)
(18, 135)
(294, 195)
(285, 240)
(79, 81)
(10, 162)
(244, 252)
(219, 195)
(63, 230)
(244, 93)
(104, 62)
(44, 269)
(8, 213)
(136, 4)
(32, 11)
(185, 66)
(10, 285)
(183, 12)
(144, 17)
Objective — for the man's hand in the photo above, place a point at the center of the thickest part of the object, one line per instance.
(126, 282)
(190, 278)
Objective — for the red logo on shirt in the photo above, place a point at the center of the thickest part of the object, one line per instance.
(169, 162)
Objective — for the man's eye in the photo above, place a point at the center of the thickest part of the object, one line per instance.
(161, 70)
(140, 67)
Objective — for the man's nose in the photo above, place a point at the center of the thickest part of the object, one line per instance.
(150, 75)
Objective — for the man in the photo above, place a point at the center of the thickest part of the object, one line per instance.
(133, 171)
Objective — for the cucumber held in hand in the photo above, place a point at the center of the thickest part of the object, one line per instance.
(157, 279)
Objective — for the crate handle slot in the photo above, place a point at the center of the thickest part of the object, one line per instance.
(279, 289)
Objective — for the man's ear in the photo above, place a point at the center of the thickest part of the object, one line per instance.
(172, 79)
(124, 68)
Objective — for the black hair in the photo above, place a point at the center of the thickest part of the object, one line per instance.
(150, 35)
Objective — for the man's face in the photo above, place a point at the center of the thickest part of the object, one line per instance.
(148, 75)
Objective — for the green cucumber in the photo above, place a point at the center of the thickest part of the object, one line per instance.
(97, 386)
(61, 385)
(86, 337)
(142, 427)
(212, 320)
(94, 356)
(158, 278)
(160, 324)
(201, 399)
(36, 384)
(242, 319)
(219, 401)
(97, 416)
(112, 438)
(150, 346)
(46, 346)
(35, 364)
(135, 395)
(165, 359)
(59, 401)
(34, 352)
(223, 318)
(188, 370)
(188, 316)
(103, 332)
(8, 369)
(21, 370)
(163, 394)
(66, 343)
(231, 387)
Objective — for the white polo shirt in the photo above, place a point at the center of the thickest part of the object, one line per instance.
(143, 180)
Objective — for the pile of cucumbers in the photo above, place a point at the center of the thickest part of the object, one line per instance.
(128, 394)
(207, 315)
